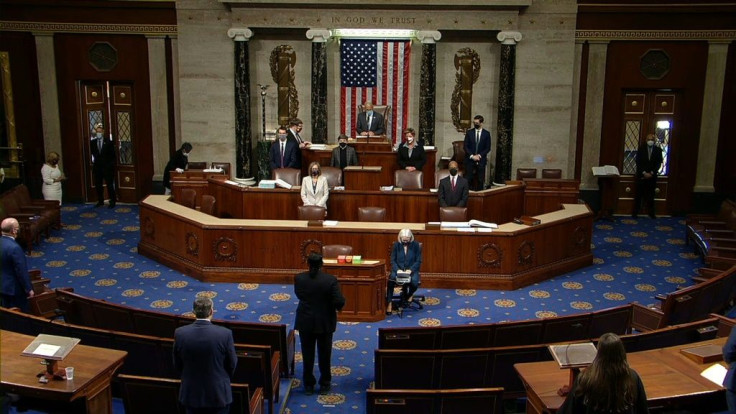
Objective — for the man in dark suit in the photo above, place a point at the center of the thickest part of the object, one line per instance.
(648, 162)
(453, 191)
(370, 123)
(204, 357)
(177, 163)
(316, 319)
(283, 152)
(344, 155)
(295, 128)
(103, 165)
(477, 146)
(16, 283)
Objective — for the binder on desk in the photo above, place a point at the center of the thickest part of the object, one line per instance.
(605, 170)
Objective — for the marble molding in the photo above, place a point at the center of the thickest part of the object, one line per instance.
(262, 151)
(505, 122)
(428, 92)
(319, 84)
(243, 121)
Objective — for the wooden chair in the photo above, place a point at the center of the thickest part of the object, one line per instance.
(333, 176)
(442, 174)
(331, 251)
(453, 214)
(555, 173)
(208, 205)
(224, 166)
(198, 165)
(312, 213)
(292, 176)
(409, 180)
(188, 198)
(522, 173)
(375, 214)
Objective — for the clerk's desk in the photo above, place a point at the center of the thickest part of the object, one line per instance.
(93, 370)
(669, 378)
(271, 251)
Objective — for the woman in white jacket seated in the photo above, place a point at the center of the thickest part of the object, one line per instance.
(315, 190)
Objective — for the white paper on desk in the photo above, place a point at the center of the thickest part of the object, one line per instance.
(329, 223)
(433, 190)
(483, 230)
(46, 350)
(467, 229)
(715, 373)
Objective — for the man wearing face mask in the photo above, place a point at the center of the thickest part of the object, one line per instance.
(453, 190)
(406, 255)
(16, 283)
(283, 152)
(370, 122)
(103, 165)
(343, 155)
(477, 146)
(177, 163)
(648, 162)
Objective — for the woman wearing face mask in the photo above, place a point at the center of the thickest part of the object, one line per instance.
(411, 155)
(177, 163)
(343, 155)
(406, 255)
(315, 190)
(52, 178)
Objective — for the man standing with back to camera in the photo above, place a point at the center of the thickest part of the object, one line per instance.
(477, 146)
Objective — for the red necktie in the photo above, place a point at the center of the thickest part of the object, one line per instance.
(453, 183)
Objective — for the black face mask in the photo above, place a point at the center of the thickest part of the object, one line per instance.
(315, 173)
(477, 126)
(453, 171)
(405, 243)
(343, 145)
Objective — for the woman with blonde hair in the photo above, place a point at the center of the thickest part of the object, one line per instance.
(608, 385)
(52, 177)
(315, 190)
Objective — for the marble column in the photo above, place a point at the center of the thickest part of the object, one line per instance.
(505, 122)
(49, 96)
(159, 103)
(243, 141)
(319, 39)
(593, 121)
(428, 84)
(710, 119)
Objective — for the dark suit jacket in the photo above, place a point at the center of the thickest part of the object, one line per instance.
(450, 198)
(411, 260)
(177, 161)
(729, 355)
(417, 160)
(484, 146)
(204, 356)
(376, 124)
(15, 279)
(645, 163)
(291, 158)
(103, 160)
(350, 154)
(319, 299)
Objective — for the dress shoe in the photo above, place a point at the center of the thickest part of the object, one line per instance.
(112, 205)
(309, 389)
(652, 216)
(99, 204)
(324, 389)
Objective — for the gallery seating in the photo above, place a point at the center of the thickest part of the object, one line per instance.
(374, 214)
(554, 173)
(35, 217)
(408, 180)
(474, 400)
(311, 212)
(453, 214)
(292, 176)
(702, 229)
(333, 176)
(50, 209)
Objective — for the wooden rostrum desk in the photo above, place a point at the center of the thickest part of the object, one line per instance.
(213, 249)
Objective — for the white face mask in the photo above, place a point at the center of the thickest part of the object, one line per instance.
(186, 154)
(650, 143)
(410, 139)
(99, 135)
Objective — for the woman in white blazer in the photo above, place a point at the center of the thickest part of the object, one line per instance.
(315, 190)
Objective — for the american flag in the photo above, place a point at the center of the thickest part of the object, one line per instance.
(375, 71)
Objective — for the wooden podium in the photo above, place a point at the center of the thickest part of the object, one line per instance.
(362, 178)
(364, 288)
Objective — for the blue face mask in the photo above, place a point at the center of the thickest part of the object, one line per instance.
(99, 135)
(369, 113)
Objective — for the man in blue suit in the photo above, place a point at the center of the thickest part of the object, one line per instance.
(284, 152)
(477, 146)
(204, 356)
(406, 255)
(16, 284)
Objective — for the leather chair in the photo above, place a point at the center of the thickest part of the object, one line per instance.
(552, 173)
(333, 176)
(312, 213)
(199, 165)
(453, 214)
(408, 180)
(188, 198)
(458, 154)
(208, 205)
(225, 166)
(377, 214)
(442, 174)
(292, 176)
(522, 173)
(331, 251)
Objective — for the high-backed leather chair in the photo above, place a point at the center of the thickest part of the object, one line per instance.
(292, 176)
(312, 213)
(408, 180)
(384, 110)
(333, 176)
(371, 214)
(188, 198)
(522, 173)
(453, 214)
(552, 173)
(208, 205)
(458, 154)
(331, 251)
(225, 166)
(442, 174)
(198, 165)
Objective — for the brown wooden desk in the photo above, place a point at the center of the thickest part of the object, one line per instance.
(93, 369)
(543, 195)
(194, 179)
(364, 288)
(668, 376)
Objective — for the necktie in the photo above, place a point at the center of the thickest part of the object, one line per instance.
(453, 183)
(370, 118)
(282, 155)
(99, 145)
(299, 138)
(477, 139)
(650, 153)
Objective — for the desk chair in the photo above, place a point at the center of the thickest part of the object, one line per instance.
(374, 214)
(188, 198)
(408, 180)
(453, 214)
(331, 251)
(225, 166)
(551, 173)
(208, 205)
(198, 165)
(522, 173)
(333, 176)
(292, 176)
(312, 213)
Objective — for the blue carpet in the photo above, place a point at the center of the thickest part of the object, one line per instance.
(96, 254)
